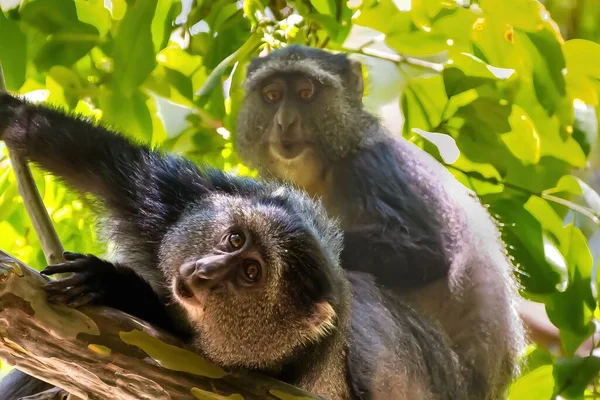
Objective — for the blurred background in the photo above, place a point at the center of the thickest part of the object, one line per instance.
(509, 88)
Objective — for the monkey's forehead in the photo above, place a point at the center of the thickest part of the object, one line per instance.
(311, 68)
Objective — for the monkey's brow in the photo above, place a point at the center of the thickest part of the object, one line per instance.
(310, 68)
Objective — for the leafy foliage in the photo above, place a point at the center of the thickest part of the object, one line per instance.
(491, 89)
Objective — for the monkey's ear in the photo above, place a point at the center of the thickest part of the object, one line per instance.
(357, 77)
(322, 320)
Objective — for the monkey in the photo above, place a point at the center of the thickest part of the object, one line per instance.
(246, 271)
(406, 219)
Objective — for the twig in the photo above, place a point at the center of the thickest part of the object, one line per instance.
(34, 205)
(397, 58)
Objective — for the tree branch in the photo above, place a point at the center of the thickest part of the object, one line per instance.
(100, 353)
(34, 205)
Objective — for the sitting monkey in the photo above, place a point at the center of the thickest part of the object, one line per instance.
(405, 218)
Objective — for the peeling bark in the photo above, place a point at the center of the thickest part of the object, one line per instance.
(102, 353)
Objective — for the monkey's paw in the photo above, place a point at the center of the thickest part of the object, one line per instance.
(86, 285)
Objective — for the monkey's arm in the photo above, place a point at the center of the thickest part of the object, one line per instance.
(377, 251)
(390, 230)
(99, 282)
(135, 182)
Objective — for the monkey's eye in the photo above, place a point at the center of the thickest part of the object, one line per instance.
(305, 89)
(272, 92)
(236, 240)
(305, 94)
(252, 270)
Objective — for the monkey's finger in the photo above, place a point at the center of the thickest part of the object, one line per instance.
(75, 280)
(84, 299)
(70, 256)
(71, 266)
(57, 298)
(69, 295)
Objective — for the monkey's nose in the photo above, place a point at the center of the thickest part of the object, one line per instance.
(213, 267)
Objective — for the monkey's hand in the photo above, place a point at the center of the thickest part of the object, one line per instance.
(99, 282)
(90, 283)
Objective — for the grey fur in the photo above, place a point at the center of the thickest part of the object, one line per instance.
(475, 301)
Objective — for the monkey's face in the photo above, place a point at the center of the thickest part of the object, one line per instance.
(252, 278)
(296, 124)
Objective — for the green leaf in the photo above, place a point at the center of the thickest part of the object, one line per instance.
(490, 113)
(328, 23)
(370, 15)
(537, 384)
(527, 15)
(133, 51)
(423, 101)
(175, 58)
(573, 185)
(549, 64)
(94, 13)
(465, 72)
(214, 78)
(585, 126)
(325, 7)
(65, 39)
(417, 43)
(64, 86)
(128, 113)
(573, 375)
(13, 53)
(162, 23)
(423, 11)
(583, 78)
(541, 273)
(523, 140)
(571, 310)
(445, 144)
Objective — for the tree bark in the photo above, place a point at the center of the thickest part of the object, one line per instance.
(102, 353)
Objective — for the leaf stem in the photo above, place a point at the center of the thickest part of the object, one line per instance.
(569, 204)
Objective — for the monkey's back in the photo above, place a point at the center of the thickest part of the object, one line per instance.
(477, 303)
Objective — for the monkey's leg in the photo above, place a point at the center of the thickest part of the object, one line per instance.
(17, 384)
(95, 281)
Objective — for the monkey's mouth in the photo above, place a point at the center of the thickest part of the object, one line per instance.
(288, 150)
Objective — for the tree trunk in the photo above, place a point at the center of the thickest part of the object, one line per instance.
(102, 353)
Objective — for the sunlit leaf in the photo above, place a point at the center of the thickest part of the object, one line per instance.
(417, 43)
(537, 384)
(465, 71)
(573, 375)
(13, 53)
(539, 274)
(326, 7)
(523, 139)
(94, 13)
(582, 58)
(548, 71)
(162, 23)
(445, 144)
(174, 57)
(423, 101)
(370, 13)
(215, 77)
(572, 309)
(133, 48)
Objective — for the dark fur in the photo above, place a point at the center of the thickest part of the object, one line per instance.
(162, 209)
(405, 218)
